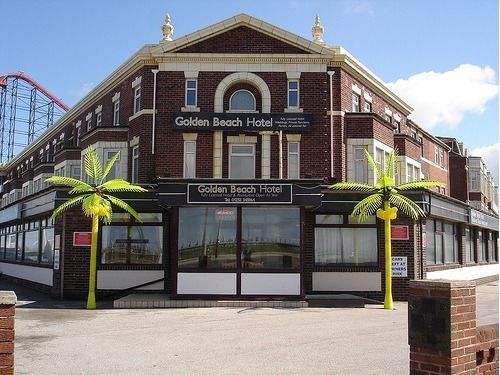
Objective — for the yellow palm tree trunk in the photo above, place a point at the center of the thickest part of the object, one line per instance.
(93, 261)
(388, 303)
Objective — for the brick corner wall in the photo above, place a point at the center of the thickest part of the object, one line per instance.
(7, 314)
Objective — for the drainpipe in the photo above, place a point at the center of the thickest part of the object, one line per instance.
(331, 73)
(281, 154)
(155, 72)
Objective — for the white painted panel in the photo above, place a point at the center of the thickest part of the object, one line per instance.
(107, 279)
(347, 281)
(206, 283)
(36, 274)
(270, 283)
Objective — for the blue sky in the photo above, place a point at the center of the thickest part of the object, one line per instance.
(441, 56)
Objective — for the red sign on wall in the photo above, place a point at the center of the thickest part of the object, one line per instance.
(82, 239)
(400, 232)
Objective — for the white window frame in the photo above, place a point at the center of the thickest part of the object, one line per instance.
(290, 90)
(137, 99)
(116, 113)
(436, 155)
(190, 89)
(293, 154)
(362, 161)
(367, 106)
(135, 164)
(189, 157)
(98, 120)
(243, 110)
(356, 102)
(231, 155)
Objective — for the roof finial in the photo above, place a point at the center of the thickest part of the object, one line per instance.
(318, 31)
(167, 29)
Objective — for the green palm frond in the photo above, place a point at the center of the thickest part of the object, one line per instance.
(378, 171)
(124, 206)
(67, 205)
(92, 163)
(390, 166)
(110, 164)
(118, 185)
(352, 186)
(68, 181)
(407, 206)
(83, 188)
(419, 185)
(367, 206)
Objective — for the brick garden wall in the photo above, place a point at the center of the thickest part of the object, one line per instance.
(7, 332)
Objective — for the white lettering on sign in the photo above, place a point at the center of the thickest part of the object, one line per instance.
(399, 267)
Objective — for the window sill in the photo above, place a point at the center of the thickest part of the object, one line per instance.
(293, 110)
(140, 113)
(190, 109)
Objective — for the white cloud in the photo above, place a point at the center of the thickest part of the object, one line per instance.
(358, 7)
(83, 90)
(444, 98)
(490, 157)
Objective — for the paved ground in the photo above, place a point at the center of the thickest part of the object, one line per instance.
(62, 338)
(487, 303)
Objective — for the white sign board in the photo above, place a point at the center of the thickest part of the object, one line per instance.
(399, 267)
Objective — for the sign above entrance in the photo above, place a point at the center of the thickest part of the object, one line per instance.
(207, 193)
(292, 122)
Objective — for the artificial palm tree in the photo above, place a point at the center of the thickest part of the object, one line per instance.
(96, 199)
(385, 201)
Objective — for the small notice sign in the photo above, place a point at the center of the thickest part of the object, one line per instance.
(56, 259)
(399, 267)
(400, 232)
(82, 239)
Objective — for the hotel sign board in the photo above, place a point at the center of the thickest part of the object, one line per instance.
(400, 232)
(293, 122)
(483, 220)
(222, 193)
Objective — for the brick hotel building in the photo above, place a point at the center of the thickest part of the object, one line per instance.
(237, 130)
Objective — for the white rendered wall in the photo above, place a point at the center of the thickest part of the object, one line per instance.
(346, 281)
(36, 274)
(107, 279)
(206, 283)
(270, 284)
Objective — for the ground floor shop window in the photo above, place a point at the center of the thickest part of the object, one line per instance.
(442, 242)
(481, 246)
(469, 246)
(492, 247)
(341, 240)
(30, 242)
(232, 237)
(126, 241)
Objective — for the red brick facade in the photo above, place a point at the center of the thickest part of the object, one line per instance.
(308, 63)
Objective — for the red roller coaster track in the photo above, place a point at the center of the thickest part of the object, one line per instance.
(31, 81)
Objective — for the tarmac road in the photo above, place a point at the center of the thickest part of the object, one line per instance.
(59, 338)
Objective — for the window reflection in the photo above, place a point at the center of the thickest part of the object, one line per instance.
(270, 238)
(207, 237)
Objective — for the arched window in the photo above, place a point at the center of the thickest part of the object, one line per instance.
(241, 101)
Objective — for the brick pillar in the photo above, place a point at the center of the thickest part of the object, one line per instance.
(7, 313)
(442, 327)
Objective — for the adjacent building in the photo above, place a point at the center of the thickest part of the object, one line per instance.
(237, 130)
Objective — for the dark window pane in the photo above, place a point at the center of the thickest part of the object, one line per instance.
(10, 247)
(191, 97)
(207, 237)
(270, 238)
(293, 98)
(113, 249)
(31, 246)
(47, 246)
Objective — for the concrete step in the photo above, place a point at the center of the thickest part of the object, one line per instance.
(152, 301)
(335, 300)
